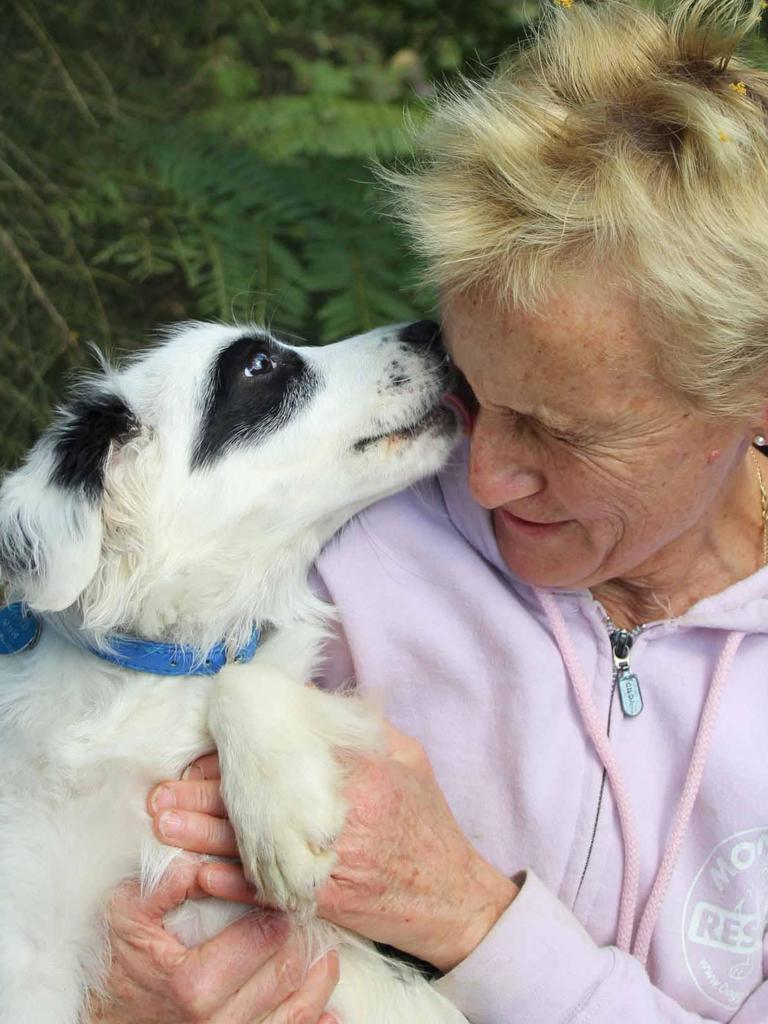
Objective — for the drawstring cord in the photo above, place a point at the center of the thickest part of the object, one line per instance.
(631, 875)
(687, 797)
(604, 750)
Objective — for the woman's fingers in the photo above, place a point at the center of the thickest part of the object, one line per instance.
(253, 971)
(212, 975)
(198, 833)
(309, 1002)
(190, 813)
(154, 977)
(203, 797)
(226, 882)
(205, 767)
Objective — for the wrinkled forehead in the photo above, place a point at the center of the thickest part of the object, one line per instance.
(582, 359)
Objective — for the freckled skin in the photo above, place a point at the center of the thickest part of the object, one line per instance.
(660, 503)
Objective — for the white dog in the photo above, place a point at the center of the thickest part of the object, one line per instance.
(173, 510)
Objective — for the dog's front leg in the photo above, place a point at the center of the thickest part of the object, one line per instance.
(281, 778)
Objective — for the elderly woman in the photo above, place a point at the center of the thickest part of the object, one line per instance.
(571, 620)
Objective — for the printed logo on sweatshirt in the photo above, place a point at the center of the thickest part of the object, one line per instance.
(725, 917)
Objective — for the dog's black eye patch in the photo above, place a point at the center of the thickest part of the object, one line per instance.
(82, 439)
(256, 386)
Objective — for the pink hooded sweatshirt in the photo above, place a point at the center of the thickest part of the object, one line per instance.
(643, 838)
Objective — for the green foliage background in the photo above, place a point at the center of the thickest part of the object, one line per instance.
(205, 160)
(164, 161)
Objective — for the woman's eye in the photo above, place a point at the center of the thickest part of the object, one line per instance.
(573, 440)
(259, 363)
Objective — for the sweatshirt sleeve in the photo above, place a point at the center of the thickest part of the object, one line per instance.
(539, 966)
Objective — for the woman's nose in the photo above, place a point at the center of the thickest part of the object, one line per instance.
(498, 469)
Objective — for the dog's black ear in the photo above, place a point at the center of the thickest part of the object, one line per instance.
(50, 508)
(83, 437)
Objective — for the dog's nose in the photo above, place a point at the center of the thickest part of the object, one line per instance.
(422, 334)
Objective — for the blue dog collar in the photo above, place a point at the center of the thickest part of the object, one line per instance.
(20, 629)
(162, 659)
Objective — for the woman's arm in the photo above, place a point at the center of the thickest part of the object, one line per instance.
(408, 877)
(540, 966)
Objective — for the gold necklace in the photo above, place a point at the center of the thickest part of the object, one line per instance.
(763, 504)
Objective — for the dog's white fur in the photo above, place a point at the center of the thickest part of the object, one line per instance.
(192, 555)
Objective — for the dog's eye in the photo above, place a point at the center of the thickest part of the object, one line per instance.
(258, 364)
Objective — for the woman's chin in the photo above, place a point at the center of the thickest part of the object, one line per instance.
(549, 559)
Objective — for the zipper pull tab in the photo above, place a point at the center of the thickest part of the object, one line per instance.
(630, 695)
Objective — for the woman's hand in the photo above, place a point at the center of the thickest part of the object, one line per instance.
(406, 874)
(251, 972)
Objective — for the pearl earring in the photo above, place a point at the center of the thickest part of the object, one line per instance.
(759, 440)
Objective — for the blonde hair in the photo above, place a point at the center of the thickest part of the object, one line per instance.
(618, 137)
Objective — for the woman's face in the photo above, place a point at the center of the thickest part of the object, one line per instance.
(594, 469)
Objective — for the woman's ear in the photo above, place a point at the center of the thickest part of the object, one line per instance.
(50, 508)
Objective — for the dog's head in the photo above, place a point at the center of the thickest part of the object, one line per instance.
(218, 457)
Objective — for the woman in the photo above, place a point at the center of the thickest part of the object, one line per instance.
(572, 619)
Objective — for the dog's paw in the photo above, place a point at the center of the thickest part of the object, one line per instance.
(286, 833)
(289, 872)
(282, 778)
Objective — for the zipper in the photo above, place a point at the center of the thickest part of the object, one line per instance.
(631, 700)
(625, 680)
